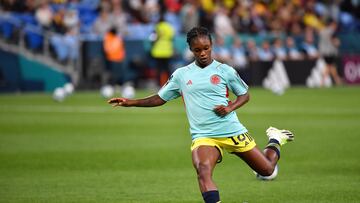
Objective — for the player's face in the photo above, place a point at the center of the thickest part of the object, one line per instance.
(201, 48)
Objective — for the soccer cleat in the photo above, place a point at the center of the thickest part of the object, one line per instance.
(282, 136)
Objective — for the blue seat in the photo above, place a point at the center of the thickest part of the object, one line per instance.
(7, 29)
(8, 25)
(34, 37)
(87, 20)
(28, 18)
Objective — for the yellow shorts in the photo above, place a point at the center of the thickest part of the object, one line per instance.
(239, 143)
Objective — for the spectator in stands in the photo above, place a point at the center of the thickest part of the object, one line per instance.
(44, 14)
(328, 47)
(207, 12)
(239, 60)
(240, 17)
(173, 6)
(296, 32)
(137, 10)
(114, 50)
(138, 17)
(151, 10)
(252, 50)
(279, 49)
(293, 51)
(258, 15)
(103, 23)
(58, 24)
(119, 18)
(71, 42)
(308, 45)
(265, 53)
(174, 19)
(238, 54)
(66, 46)
(222, 22)
(189, 15)
(284, 14)
(221, 52)
(163, 49)
(71, 20)
(310, 18)
(65, 43)
(105, 5)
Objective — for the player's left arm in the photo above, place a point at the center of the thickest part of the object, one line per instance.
(238, 87)
(240, 100)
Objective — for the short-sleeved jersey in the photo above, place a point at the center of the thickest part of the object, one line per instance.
(202, 89)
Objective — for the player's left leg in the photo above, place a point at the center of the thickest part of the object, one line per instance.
(264, 163)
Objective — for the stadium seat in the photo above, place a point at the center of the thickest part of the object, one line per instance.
(28, 19)
(7, 29)
(8, 25)
(33, 37)
(87, 19)
(347, 22)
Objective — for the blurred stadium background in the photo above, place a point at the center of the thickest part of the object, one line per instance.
(45, 44)
(82, 150)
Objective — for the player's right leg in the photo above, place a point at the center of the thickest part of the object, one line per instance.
(204, 160)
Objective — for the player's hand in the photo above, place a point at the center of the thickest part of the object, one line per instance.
(118, 102)
(222, 110)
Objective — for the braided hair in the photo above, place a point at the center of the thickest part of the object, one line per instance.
(197, 32)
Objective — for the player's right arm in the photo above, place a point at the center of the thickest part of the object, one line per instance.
(151, 101)
(168, 92)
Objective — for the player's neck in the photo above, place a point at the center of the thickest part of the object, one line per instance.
(204, 65)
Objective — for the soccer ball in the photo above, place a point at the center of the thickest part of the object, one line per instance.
(59, 94)
(69, 88)
(107, 91)
(270, 177)
(128, 92)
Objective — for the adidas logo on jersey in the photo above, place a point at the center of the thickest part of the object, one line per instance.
(189, 82)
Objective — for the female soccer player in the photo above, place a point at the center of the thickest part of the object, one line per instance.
(214, 125)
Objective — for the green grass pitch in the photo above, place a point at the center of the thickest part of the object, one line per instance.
(84, 150)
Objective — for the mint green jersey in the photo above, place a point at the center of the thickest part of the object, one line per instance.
(202, 89)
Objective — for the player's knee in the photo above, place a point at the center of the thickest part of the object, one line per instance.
(267, 171)
(203, 170)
